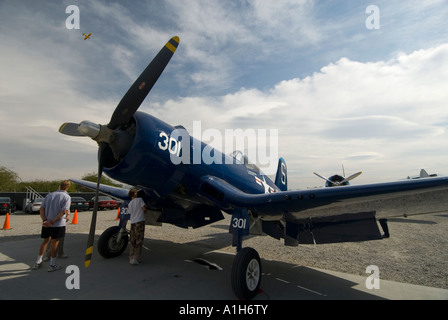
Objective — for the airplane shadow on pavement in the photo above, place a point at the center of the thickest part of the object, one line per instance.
(168, 271)
(192, 271)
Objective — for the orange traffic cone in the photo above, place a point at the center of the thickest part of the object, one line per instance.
(118, 214)
(6, 225)
(75, 217)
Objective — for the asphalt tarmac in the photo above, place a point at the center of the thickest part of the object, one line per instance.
(178, 272)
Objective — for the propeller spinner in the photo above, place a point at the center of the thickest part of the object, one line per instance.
(111, 135)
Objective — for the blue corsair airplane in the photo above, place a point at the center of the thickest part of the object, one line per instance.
(140, 150)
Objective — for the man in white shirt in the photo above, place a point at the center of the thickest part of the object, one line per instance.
(54, 211)
(136, 209)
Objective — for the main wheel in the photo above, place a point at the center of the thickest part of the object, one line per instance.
(246, 274)
(108, 246)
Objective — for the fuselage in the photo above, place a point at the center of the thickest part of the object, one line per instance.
(166, 160)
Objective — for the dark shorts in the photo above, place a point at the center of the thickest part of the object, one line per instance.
(53, 232)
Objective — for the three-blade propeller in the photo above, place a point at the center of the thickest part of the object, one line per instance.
(124, 112)
(333, 183)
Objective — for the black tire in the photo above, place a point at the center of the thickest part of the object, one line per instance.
(246, 274)
(107, 244)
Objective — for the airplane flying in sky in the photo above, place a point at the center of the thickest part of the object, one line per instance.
(138, 149)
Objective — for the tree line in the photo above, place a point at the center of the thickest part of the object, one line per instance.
(11, 182)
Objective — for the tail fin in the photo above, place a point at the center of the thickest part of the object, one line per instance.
(423, 174)
(281, 179)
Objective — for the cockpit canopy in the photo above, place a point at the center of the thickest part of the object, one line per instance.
(241, 158)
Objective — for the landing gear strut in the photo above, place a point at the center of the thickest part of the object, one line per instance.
(246, 268)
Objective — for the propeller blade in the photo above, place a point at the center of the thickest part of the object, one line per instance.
(89, 250)
(132, 100)
(353, 176)
(123, 113)
(322, 177)
(70, 129)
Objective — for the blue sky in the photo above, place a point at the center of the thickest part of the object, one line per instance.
(374, 100)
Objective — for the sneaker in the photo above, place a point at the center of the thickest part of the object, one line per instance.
(133, 261)
(37, 266)
(54, 268)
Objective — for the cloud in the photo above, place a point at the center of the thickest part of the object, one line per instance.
(335, 91)
(376, 127)
(372, 114)
(218, 37)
